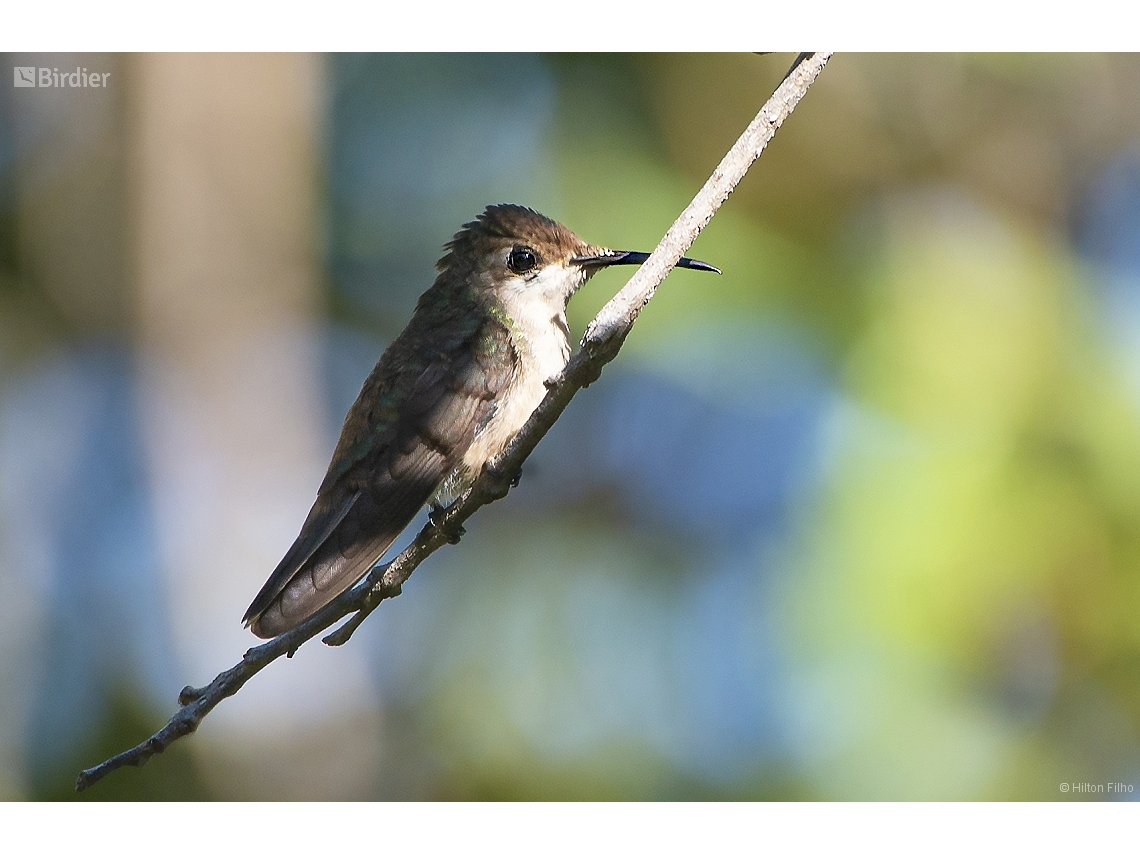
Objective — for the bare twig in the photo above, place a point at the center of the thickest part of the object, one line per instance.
(603, 339)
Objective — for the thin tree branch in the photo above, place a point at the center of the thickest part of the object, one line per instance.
(604, 337)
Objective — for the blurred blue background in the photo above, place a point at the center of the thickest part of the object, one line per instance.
(859, 519)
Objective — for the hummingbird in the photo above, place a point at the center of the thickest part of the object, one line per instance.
(448, 394)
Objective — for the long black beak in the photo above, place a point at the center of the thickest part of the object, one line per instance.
(614, 257)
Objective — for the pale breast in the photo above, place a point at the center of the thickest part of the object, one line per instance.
(543, 346)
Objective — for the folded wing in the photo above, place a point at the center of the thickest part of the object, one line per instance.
(417, 414)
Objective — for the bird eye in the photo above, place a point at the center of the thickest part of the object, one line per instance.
(522, 259)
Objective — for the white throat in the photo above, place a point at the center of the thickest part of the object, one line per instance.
(538, 309)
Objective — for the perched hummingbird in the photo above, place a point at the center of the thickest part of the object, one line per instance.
(446, 396)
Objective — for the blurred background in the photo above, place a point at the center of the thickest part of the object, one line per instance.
(859, 519)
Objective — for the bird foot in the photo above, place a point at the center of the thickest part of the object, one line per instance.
(500, 485)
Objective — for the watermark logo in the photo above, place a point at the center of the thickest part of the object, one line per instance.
(53, 78)
(1111, 787)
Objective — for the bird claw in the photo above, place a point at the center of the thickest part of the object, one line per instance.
(499, 484)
